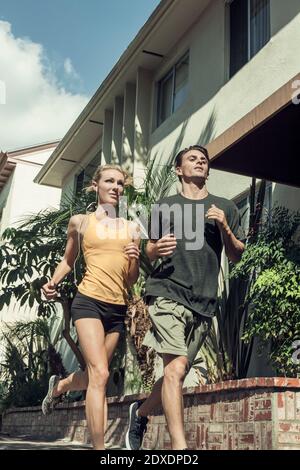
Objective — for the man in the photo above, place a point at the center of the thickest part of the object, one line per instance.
(182, 290)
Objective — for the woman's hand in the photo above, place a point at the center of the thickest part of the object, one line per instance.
(132, 251)
(49, 290)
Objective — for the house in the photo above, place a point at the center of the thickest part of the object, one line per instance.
(21, 197)
(221, 73)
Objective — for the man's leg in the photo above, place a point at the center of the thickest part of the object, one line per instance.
(168, 392)
(175, 368)
(153, 401)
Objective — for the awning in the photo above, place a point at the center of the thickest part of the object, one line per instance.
(266, 142)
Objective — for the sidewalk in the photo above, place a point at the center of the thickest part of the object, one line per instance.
(29, 443)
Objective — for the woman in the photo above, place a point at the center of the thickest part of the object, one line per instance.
(110, 247)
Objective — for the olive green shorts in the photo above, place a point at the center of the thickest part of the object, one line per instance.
(175, 329)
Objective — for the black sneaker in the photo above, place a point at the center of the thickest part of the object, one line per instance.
(136, 428)
(49, 401)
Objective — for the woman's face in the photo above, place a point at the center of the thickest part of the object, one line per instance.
(110, 187)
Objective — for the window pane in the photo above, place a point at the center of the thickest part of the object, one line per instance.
(79, 182)
(165, 98)
(181, 82)
(91, 168)
(238, 35)
(259, 24)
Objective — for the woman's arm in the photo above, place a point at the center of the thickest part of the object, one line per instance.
(133, 252)
(67, 263)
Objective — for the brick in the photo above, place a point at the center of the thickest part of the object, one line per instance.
(202, 436)
(290, 405)
(289, 438)
(215, 428)
(281, 405)
(246, 427)
(298, 405)
(215, 438)
(289, 427)
(263, 415)
(257, 436)
(246, 439)
(219, 412)
(231, 417)
(263, 404)
(266, 436)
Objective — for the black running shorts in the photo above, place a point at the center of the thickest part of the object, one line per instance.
(112, 316)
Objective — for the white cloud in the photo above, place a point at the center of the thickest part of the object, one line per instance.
(37, 108)
(69, 68)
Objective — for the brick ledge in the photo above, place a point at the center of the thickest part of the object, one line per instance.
(279, 383)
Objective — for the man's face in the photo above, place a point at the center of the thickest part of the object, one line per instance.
(194, 166)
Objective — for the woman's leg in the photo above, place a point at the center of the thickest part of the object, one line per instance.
(92, 343)
(111, 342)
(78, 380)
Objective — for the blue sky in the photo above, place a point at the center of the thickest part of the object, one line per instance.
(54, 54)
(92, 33)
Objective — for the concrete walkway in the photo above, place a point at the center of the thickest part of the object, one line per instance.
(29, 443)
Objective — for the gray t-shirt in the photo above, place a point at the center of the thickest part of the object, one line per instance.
(190, 276)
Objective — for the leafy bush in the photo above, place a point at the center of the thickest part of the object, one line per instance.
(29, 360)
(272, 261)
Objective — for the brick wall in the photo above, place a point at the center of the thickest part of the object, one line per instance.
(260, 413)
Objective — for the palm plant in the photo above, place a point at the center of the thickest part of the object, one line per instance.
(29, 359)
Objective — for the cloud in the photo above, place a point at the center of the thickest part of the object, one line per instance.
(37, 108)
(69, 69)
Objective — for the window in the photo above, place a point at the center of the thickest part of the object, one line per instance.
(172, 89)
(83, 179)
(243, 205)
(249, 30)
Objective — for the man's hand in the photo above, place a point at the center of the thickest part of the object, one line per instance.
(166, 245)
(132, 251)
(49, 290)
(218, 215)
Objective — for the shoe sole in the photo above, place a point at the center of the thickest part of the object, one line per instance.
(127, 443)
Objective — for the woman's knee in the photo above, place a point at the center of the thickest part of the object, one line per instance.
(98, 375)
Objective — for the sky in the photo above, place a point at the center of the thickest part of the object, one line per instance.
(54, 54)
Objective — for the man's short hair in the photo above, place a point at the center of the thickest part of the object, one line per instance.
(179, 156)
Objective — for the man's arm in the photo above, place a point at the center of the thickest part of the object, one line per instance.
(233, 247)
(165, 246)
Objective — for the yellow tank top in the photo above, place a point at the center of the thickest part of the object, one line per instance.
(106, 276)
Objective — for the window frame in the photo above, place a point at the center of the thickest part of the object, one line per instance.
(170, 73)
(249, 56)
